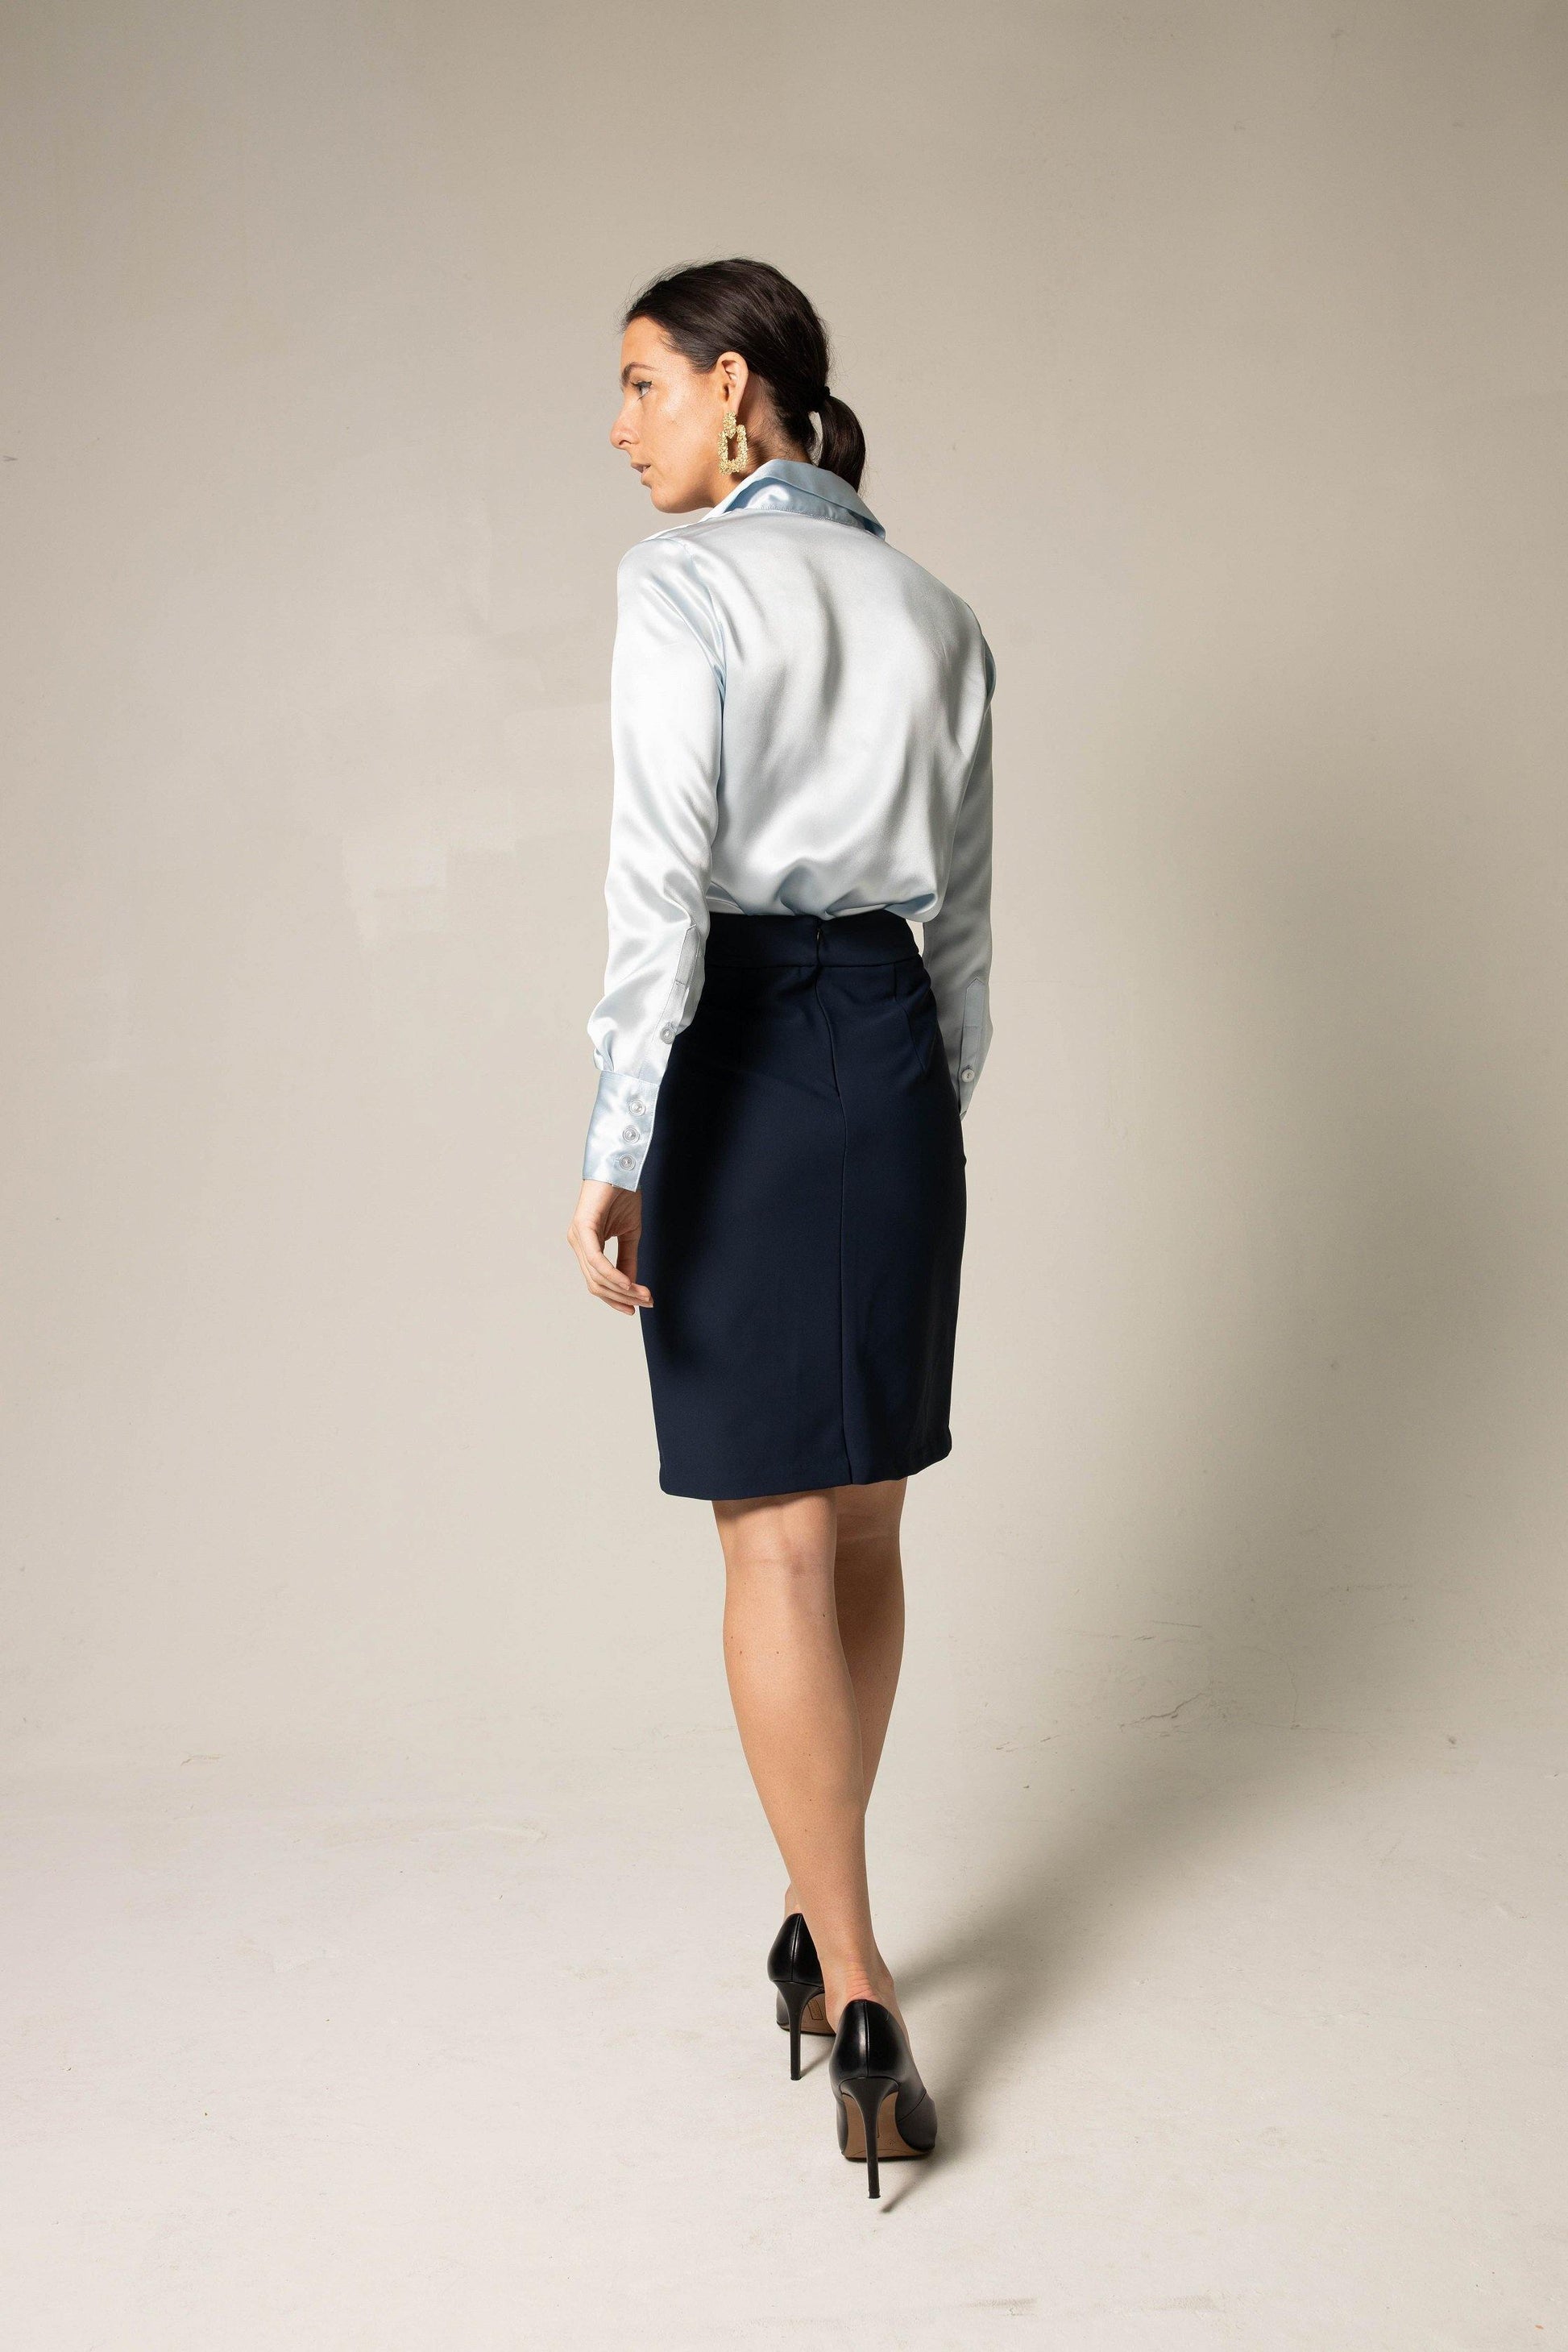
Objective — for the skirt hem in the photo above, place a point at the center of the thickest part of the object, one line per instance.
(792, 1482)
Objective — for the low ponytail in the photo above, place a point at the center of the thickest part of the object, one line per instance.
(842, 443)
(750, 308)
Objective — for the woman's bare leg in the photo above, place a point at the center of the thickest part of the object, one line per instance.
(868, 1589)
(797, 1701)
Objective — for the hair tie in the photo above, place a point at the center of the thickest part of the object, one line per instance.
(823, 397)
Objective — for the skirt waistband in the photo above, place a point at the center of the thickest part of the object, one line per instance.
(875, 936)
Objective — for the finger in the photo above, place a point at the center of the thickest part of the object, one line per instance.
(604, 1279)
(620, 1270)
(619, 1299)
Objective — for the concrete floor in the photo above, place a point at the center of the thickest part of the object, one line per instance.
(1250, 2041)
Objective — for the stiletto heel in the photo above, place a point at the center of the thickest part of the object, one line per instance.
(794, 1969)
(793, 1999)
(861, 2133)
(883, 2108)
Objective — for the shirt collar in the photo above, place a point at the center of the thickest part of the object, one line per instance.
(786, 486)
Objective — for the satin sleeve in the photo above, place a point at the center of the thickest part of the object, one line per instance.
(956, 942)
(667, 701)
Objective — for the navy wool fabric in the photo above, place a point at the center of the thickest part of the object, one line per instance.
(802, 1208)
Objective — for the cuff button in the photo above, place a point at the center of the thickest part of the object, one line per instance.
(666, 1032)
(966, 1072)
(624, 1161)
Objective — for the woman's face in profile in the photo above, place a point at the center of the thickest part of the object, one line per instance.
(670, 417)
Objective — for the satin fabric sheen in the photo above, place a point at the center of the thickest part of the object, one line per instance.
(800, 718)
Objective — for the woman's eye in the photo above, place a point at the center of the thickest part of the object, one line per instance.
(642, 383)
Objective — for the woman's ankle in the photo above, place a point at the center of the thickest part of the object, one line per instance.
(856, 1980)
(860, 1984)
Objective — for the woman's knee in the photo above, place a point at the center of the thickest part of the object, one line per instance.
(786, 1540)
(868, 1523)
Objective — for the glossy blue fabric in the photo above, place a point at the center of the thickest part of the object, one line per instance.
(801, 725)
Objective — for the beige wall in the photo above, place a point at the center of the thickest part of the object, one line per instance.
(1216, 353)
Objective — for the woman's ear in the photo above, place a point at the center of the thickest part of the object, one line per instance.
(734, 376)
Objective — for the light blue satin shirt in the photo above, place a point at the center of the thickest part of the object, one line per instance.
(800, 718)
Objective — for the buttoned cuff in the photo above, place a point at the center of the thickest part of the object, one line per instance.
(620, 1129)
(974, 1043)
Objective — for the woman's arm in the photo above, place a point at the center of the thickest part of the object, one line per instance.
(956, 942)
(666, 704)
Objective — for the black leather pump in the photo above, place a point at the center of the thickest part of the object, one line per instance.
(883, 2107)
(794, 1969)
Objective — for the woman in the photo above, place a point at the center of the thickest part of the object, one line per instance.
(801, 724)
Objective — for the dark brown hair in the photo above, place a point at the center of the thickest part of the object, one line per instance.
(750, 308)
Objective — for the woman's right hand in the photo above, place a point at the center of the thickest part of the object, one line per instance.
(607, 1213)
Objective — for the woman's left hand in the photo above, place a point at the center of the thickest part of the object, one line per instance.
(608, 1212)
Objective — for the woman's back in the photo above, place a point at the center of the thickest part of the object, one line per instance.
(801, 722)
(853, 685)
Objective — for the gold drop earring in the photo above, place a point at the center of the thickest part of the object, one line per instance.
(736, 464)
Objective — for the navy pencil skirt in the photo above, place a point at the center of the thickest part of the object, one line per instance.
(802, 1214)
